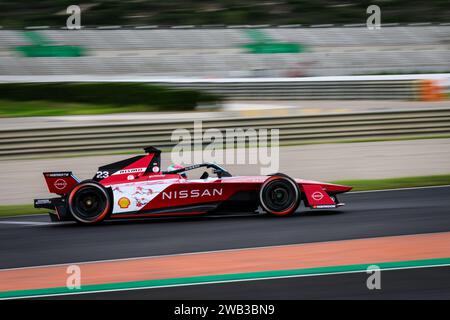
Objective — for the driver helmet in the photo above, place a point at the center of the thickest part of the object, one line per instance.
(173, 167)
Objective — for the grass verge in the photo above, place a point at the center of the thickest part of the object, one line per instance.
(358, 185)
(51, 99)
(50, 108)
(19, 209)
(395, 183)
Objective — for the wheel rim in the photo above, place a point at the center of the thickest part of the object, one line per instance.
(279, 196)
(89, 203)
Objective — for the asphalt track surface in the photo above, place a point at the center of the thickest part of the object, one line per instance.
(33, 241)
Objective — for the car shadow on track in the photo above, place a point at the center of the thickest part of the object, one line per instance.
(302, 214)
(318, 213)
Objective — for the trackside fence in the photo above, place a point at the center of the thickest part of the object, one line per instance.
(47, 142)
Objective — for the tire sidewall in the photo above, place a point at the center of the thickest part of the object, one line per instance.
(99, 217)
(295, 204)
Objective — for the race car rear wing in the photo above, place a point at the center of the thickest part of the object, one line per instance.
(60, 182)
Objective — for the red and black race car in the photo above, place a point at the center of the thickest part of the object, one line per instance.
(136, 187)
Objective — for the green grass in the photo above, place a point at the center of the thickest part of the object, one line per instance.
(20, 209)
(380, 184)
(50, 108)
(358, 185)
(56, 99)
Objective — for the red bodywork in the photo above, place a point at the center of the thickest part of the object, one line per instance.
(139, 188)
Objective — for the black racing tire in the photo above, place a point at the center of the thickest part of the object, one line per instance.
(280, 195)
(89, 202)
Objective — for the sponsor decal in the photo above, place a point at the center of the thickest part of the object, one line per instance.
(142, 190)
(60, 184)
(129, 171)
(325, 206)
(130, 177)
(155, 169)
(42, 201)
(194, 193)
(57, 174)
(317, 196)
(124, 202)
(138, 194)
(117, 189)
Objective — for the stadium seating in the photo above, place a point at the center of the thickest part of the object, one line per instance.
(218, 52)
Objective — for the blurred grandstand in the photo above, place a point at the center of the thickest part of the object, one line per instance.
(227, 52)
(222, 47)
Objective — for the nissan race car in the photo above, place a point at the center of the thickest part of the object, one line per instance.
(137, 187)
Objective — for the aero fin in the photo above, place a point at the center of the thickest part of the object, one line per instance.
(317, 198)
(60, 182)
(131, 168)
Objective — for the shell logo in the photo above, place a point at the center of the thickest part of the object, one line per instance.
(124, 203)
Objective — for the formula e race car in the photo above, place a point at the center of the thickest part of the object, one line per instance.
(137, 187)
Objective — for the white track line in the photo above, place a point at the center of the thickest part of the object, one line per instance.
(30, 223)
(25, 215)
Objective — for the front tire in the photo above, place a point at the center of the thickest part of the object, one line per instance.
(280, 195)
(89, 202)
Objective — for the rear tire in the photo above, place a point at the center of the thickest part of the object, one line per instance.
(280, 195)
(89, 202)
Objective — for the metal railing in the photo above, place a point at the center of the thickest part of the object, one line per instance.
(313, 90)
(48, 142)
